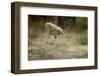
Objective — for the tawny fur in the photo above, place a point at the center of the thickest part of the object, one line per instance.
(53, 30)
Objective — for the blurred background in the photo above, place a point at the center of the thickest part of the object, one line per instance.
(72, 45)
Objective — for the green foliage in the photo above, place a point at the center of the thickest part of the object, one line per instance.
(81, 23)
(82, 39)
(33, 33)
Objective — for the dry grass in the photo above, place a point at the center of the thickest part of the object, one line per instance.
(65, 47)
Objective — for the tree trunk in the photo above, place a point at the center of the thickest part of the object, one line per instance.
(67, 22)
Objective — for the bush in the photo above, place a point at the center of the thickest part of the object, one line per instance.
(34, 33)
(82, 39)
(81, 23)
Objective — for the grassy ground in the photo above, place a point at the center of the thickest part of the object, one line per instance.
(69, 46)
